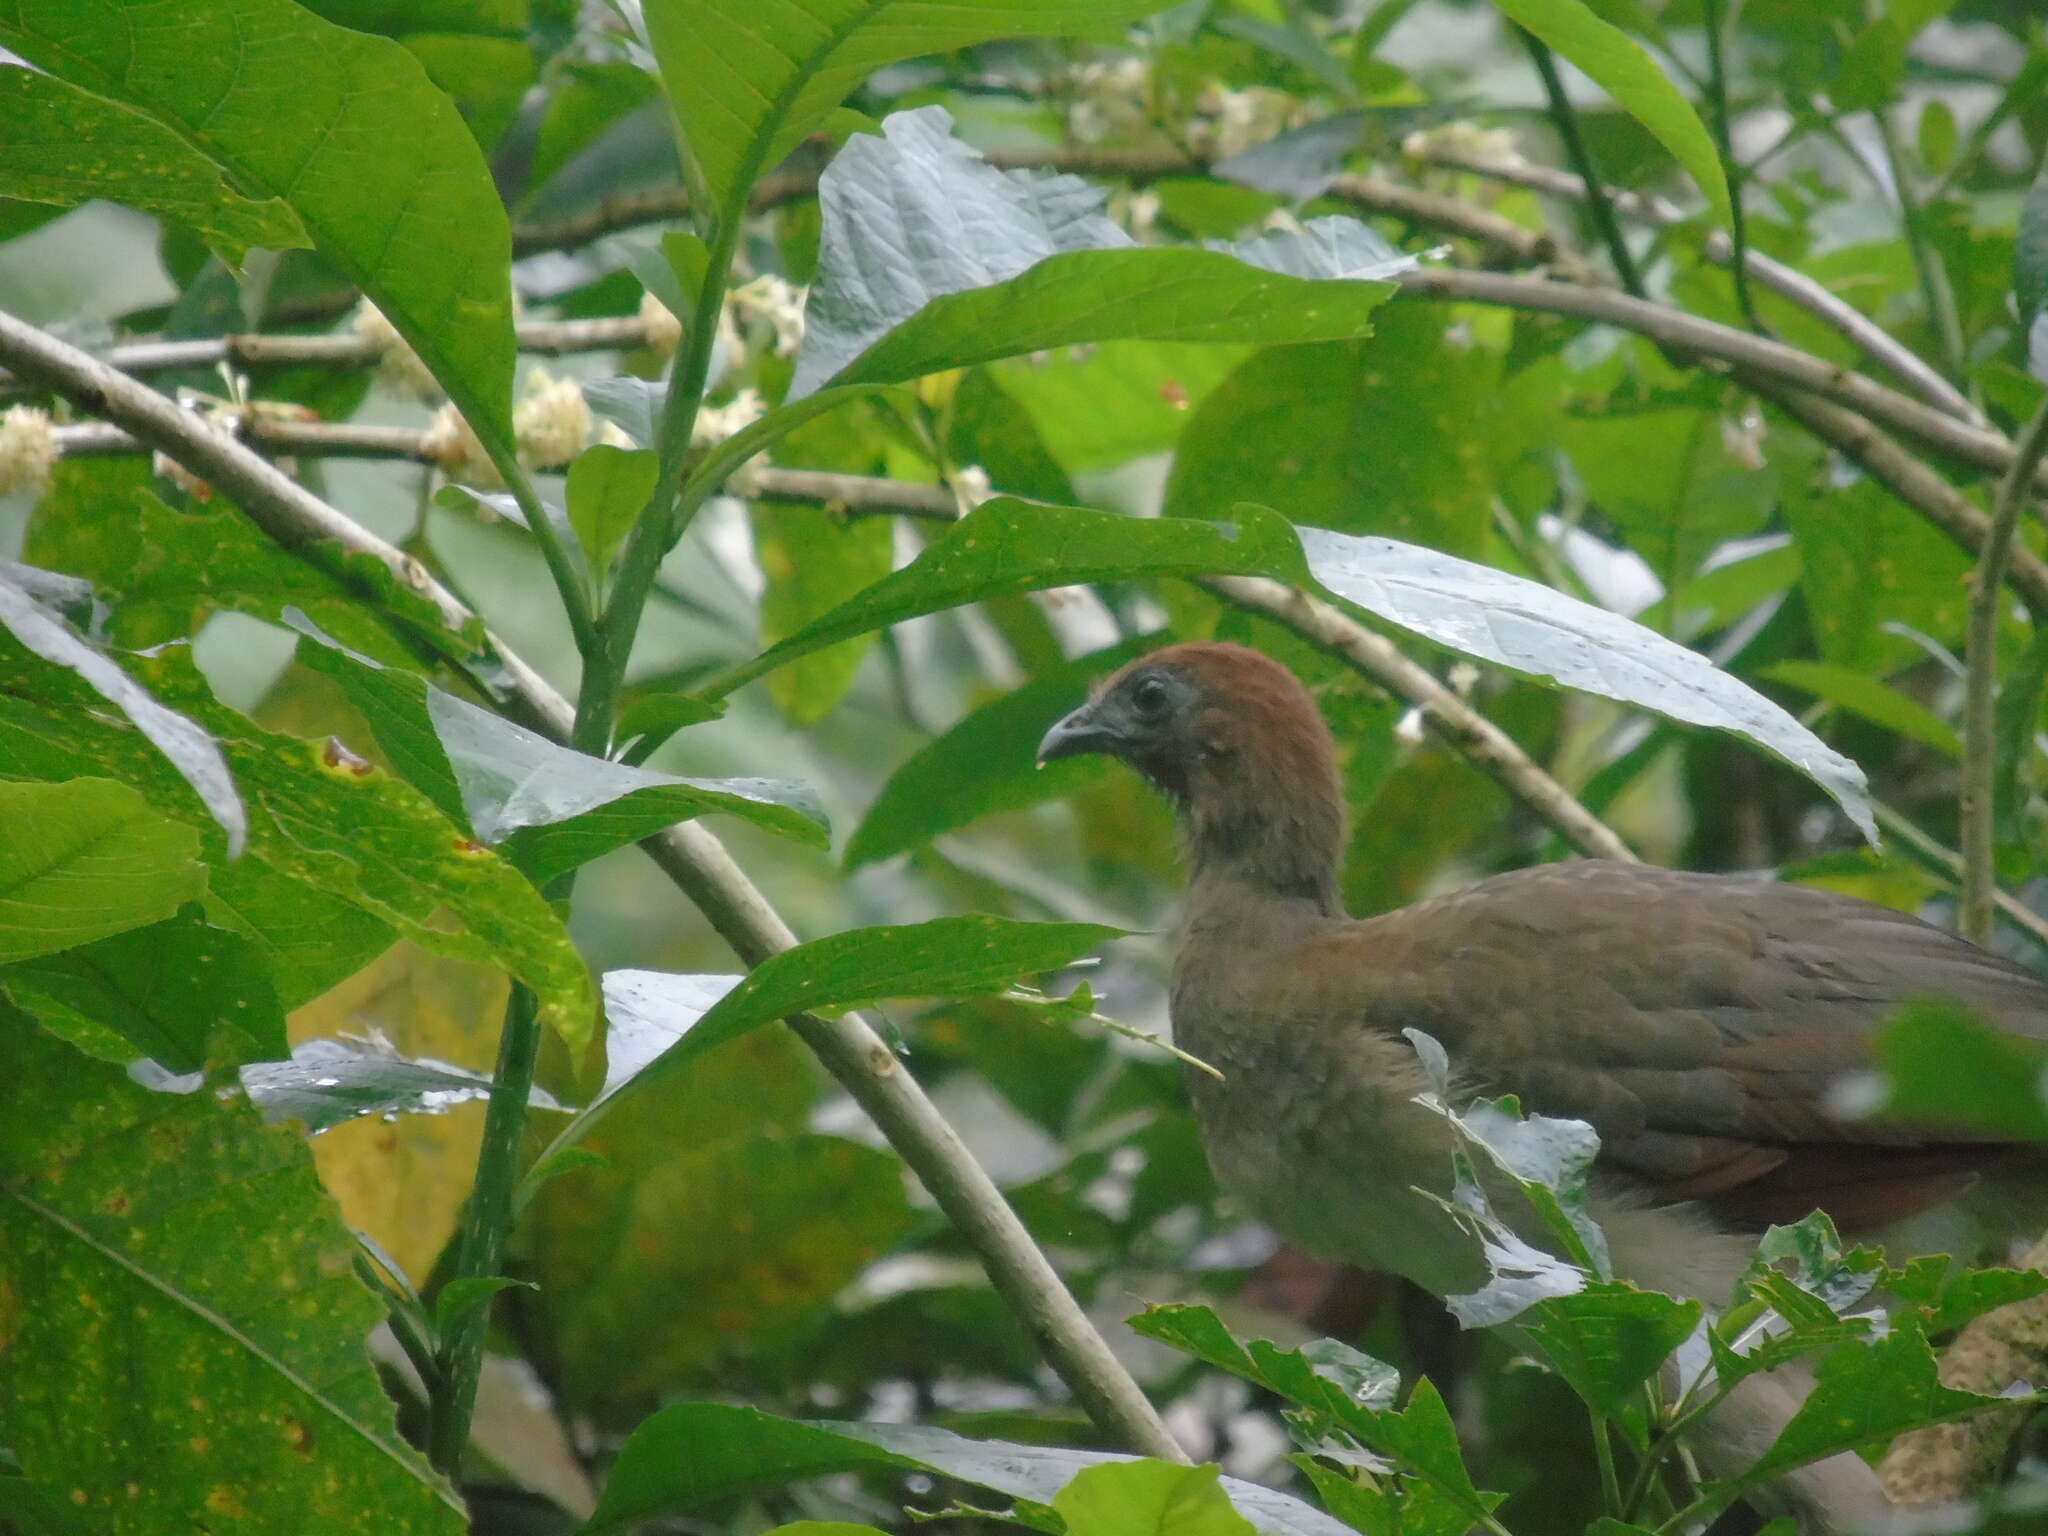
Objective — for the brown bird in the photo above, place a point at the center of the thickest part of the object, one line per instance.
(1696, 1021)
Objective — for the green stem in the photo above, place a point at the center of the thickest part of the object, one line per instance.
(1566, 121)
(1717, 96)
(666, 516)
(1934, 286)
(487, 1220)
(1603, 1452)
(568, 581)
(1987, 594)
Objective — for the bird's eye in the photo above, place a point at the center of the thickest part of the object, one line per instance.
(1149, 697)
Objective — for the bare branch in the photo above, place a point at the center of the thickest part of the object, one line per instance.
(692, 857)
(1788, 283)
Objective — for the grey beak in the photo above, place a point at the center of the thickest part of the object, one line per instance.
(1080, 732)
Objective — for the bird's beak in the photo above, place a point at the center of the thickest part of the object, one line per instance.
(1078, 733)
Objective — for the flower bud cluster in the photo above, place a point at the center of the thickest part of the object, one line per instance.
(28, 450)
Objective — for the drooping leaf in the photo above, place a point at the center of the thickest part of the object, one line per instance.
(690, 1453)
(85, 859)
(67, 146)
(182, 993)
(42, 634)
(181, 1300)
(985, 764)
(934, 260)
(550, 807)
(782, 72)
(1617, 64)
(1537, 630)
(341, 126)
(326, 1083)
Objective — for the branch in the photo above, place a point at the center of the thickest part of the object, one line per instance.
(1976, 446)
(1788, 283)
(547, 337)
(1907, 478)
(693, 858)
(1987, 593)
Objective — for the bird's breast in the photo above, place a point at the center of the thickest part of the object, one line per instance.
(1318, 1136)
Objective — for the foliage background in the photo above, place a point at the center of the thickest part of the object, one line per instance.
(749, 1238)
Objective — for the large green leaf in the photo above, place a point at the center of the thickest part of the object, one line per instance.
(49, 656)
(85, 859)
(1537, 630)
(932, 259)
(749, 83)
(185, 1337)
(985, 764)
(1607, 1339)
(1148, 1498)
(65, 146)
(1394, 436)
(326, 1083)
(1614, 62)
(181, 992)
(811, 565)
(551, 808)
(162, 571)
(344, 128)
(325, 825)
(1006, 546)
(690, 1453)
(1869, 566)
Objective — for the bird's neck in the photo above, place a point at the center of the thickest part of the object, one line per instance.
(1264, 836)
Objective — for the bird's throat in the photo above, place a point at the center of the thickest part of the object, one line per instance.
(1243, 844)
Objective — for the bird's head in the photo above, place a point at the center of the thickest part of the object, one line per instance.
(1235, 742)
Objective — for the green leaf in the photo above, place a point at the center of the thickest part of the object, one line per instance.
(1392, 436)
(460, 1297)
(326, 1083)
(1148, 1498)
(813, 563)
(934, 260)
(184, 745)
(608, 488)
(1940, 1064)
(551, 808)
(749, 84)
(181, 1300)
(1536, 630)
(162, 572)
(86, 859)
(2030, 253)
(1869, 563)
(1866, 1392)
(66, 146)
(985, 764)
(1614, 62)
(181, 992)
(343, 127)
(1875, 701)
(691, 1453)
(1007, 546)
(1609, 1338)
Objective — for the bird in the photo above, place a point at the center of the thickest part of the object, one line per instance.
(1698, 1022)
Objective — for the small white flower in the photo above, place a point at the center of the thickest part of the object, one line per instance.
(1464, 142)
(28, 450)
(551, 421)
(715, 423)
(398, 366)
(664, 330)
(971, 487)
(776, 300)
(450, 443)
(1112, 100)
(1742, 438)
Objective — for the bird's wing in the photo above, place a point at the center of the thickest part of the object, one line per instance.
(1697, 1022)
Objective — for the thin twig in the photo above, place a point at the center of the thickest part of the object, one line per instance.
(692, 857)
(1939, 296)
(1987, 597)
(1566, 121)
(1717, 91)
(1948, 863)
(1788, 283)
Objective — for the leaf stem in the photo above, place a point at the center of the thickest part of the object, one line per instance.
(1979, 725)
(486, 1222)
(1717, 96)
(1566, 120)
(547, 538)
(1939, 297)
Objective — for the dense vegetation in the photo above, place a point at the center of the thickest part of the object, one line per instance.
(595, 420)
